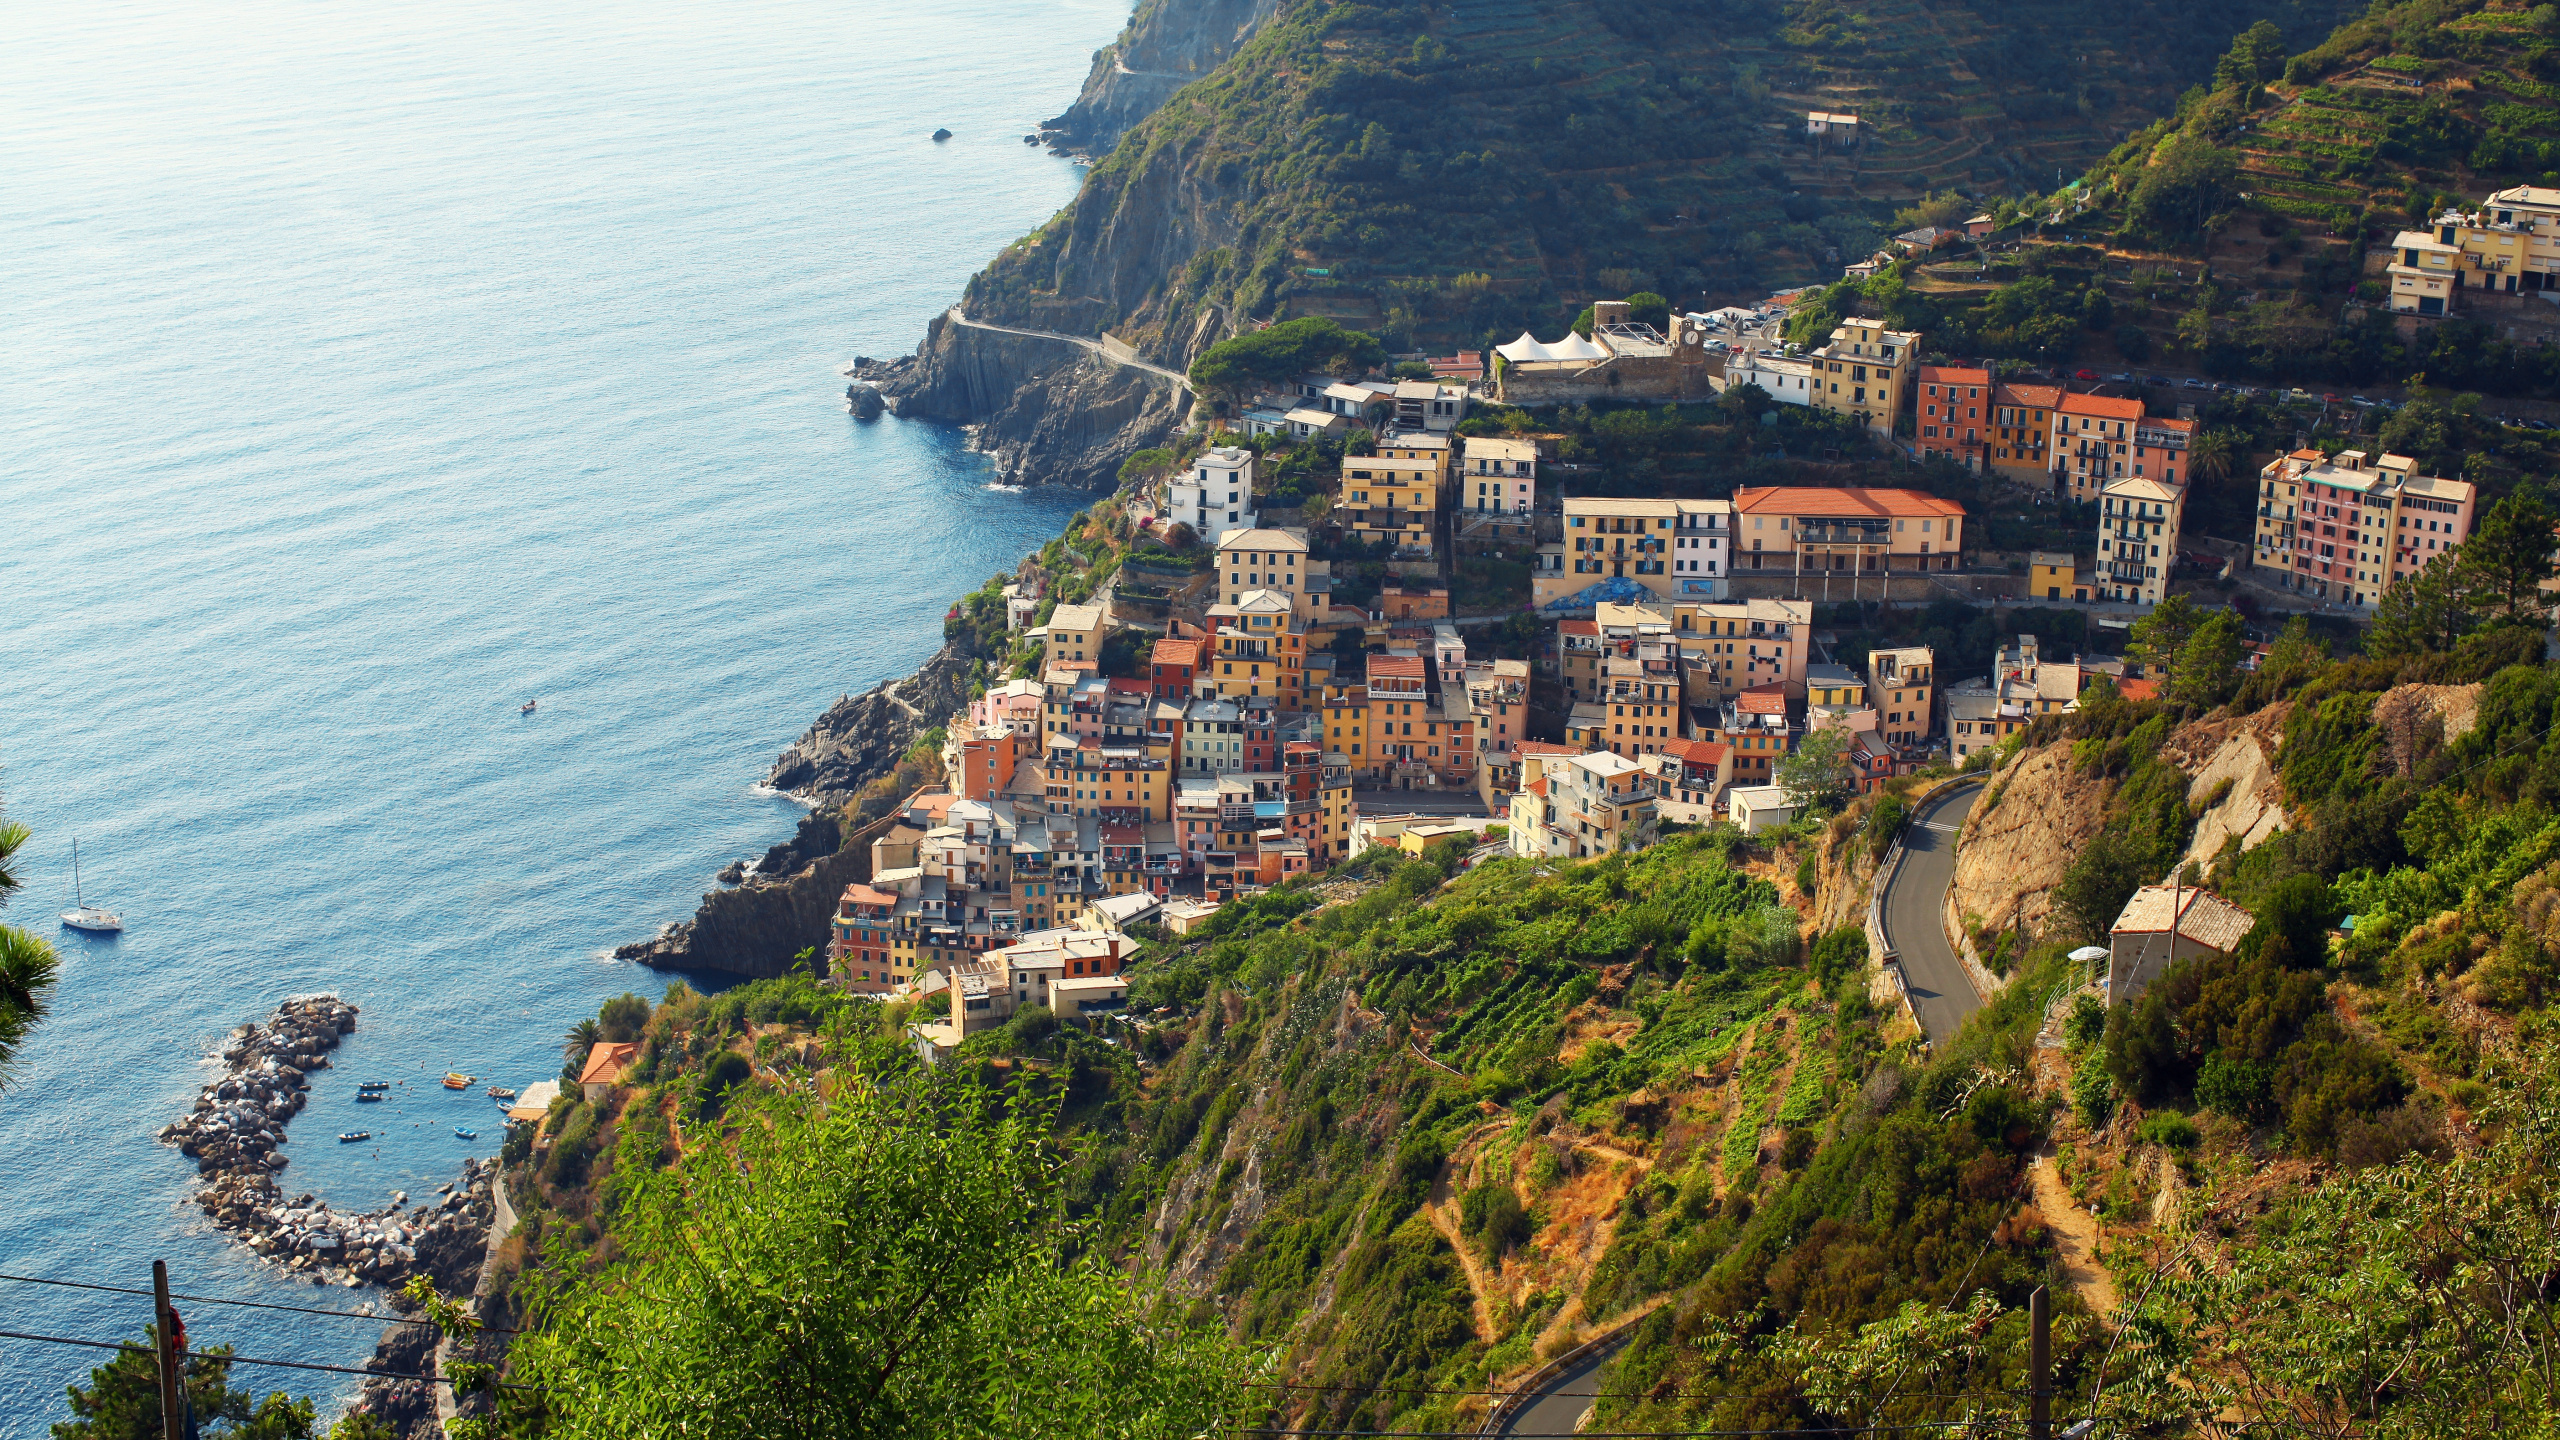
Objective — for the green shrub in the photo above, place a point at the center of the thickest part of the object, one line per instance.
(2169, 1129)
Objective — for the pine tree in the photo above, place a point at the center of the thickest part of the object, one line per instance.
(2422, 613)
(2506, 560)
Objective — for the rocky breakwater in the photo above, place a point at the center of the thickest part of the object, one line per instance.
(234, 1134)
(782, 906)
(1047, 408)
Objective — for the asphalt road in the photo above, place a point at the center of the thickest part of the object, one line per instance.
(1561, 1404)
(1940, 990)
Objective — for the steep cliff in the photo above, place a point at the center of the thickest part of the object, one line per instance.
(1167, 45)
(1049, 410)
(861, 736)
(783, 905)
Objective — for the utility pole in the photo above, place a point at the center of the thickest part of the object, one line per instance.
(2039, 1366)
(165, 1341)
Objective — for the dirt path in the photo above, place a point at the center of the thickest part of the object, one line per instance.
(2075, 1234)
(1442, 1211)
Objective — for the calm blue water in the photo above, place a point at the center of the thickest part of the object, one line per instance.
(363, 372)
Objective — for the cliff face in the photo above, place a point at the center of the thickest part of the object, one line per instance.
(783, 906)
(1168, 44)
(861, 736)
(1050, 411)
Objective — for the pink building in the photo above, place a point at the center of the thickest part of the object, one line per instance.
(2342, 528)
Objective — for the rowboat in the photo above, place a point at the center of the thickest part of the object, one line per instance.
(456, 1080)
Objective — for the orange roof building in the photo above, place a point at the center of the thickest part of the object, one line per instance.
(2093, 441)
(606, 1065)
(1955, 414)
(1829, 531)
(2021, 430)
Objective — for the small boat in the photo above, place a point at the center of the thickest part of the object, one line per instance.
(375, 1085)
(466, 1134)
(354, 1136)
(528, 707)
(369, 1097)
(83, 915)
(456, 1080)
(501, 1092)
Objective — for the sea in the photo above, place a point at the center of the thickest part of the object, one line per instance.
(365, 372)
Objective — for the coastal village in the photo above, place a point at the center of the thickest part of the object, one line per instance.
(1229, 717)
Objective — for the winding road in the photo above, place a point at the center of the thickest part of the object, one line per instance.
(1563, 1401)
(1086, 342)
(1942, 994)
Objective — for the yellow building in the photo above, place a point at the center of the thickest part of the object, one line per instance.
(1258, 649)
(2509, 244)
(1867, 371)
(1346, 722)
(1395, 500)
(1123, 784)
(2424, 273)
(1076, 632)
(1902, 682)
(1674, 548)
(1251, 560)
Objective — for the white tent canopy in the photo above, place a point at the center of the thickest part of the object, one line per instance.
(1529, 350)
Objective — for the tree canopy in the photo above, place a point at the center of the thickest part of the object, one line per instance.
(1243, 364)
(881, 1254)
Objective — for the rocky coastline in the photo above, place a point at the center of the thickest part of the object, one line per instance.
(234, 1135)
(1045, 409)
(781, 906)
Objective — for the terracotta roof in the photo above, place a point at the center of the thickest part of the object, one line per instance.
(1706, 754)
(1538, 786)
(2202, 916)
(2184, 427)
(1830, 500)
(1762, 700)
(1577, 627)
(2046, 396)
(605, 1063)
(2138, 689)
(858, 893)
(2109, 406)
(1175, 652)
(1541, 747)
(1954, 375)
(1401, 667)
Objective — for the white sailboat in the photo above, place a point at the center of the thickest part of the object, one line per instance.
(87, 916)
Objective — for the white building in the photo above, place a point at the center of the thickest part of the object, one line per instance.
(2164, 924)
(1212, 738)
(1787, 379)
(1215, 495)
(1432, 405)
(1576, 806)
(1756, 808)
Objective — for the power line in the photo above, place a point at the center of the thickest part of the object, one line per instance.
(1986, 1422)
(1579, 1395)
(244, 1304)
(244, 1359)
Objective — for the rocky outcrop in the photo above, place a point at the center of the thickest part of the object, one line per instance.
(2035, 816)
(861, 737)
(1048, 410)
(1168, 44)
(781, 906)
(233, 1134)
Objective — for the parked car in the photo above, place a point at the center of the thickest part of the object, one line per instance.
(2084, 374)
(2328, 399)
(2192, 383)
(2123, 376)
(2359, 402)
(2157, 380)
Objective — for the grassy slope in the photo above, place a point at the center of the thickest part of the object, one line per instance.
(1562, 148)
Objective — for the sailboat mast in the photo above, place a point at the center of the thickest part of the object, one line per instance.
(75, 874)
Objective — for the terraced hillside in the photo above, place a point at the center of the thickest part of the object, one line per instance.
(1446, 171)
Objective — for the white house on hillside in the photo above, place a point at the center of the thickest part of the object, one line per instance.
(1215, 496)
